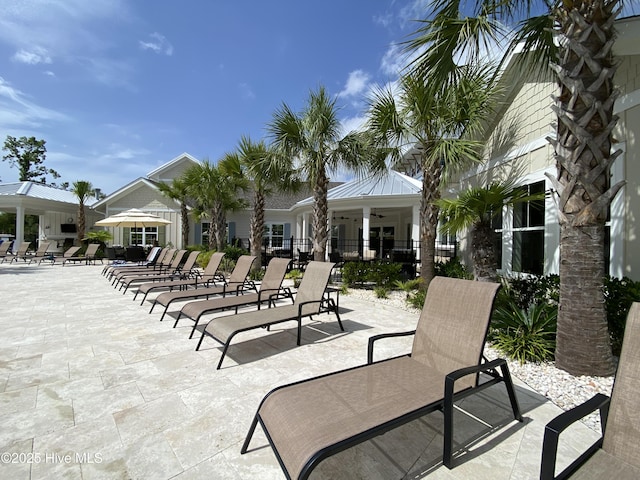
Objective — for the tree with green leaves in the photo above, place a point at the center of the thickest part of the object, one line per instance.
(177, 190)
(28, 154)
(313, 143)
(476, 209)
(439, 121)
(256, 162)
(214, 192)
(82, 190)
(574, 40)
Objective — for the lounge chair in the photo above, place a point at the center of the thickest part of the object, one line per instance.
(152, 257)
(21, 253)
(208, 277)
(615, 454)
(270, 288)
(4, 249)
(70, 253)
(90, 255)
(160, 266)
(174, 270)
(308, 421)
(188, 271)
(236, 283)
(40, 254)
(310, 300)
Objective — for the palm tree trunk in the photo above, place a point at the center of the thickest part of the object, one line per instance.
(184, 217)
(429, 222)
(584, 107)
(320, 210)
(82, 222)
(484, 256)
(582, 339)
(256, 228)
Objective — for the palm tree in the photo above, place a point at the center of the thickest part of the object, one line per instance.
(312, 142)
(255, 161)
(214, 192)
(82, 190)
(574, 39)
(177, 190)
(477, 208)
(432, 119)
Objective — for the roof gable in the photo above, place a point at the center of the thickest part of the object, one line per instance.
(173, 168)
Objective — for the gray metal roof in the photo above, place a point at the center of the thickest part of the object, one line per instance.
(41, 191)
(392, 184)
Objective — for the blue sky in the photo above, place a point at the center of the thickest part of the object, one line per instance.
(119, 87)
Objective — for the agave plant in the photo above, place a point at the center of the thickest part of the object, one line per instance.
(525, 334)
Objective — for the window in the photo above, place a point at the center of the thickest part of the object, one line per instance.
(143, 236)
(528, 233)
(273, 235)
(205, 234)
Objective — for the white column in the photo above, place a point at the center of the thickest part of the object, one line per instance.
(415, 229)
(329, 227)
(19, 228)
(305, 222)
(366, 215)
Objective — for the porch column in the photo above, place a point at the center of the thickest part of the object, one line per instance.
(329, 227)
(305, 229)
(366, 214)
(415, 229)
(19, 228)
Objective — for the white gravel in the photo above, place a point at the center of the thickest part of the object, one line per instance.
(561, 388)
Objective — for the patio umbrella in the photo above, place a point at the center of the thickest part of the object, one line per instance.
(133, 218)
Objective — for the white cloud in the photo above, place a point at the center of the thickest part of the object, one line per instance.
(32, 57)
(357, 83)
(17, 111)
(351, 124)
(157, 44)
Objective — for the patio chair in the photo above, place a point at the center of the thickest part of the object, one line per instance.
(70, 253)
(152, 257)
(310, 300)
(308, 421)
(188, 271)
(174, 269)
(161, 265)
(4, 249)
(235, 284)
(40, 253)
(615, 454)
(21, 253)
(90, 255)
(270, 287)
(208, 277)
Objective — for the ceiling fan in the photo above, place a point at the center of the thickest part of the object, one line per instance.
(374, 214)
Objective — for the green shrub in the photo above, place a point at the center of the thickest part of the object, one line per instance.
(408, 285)
(531, 289)
(417, 298)
(256, 274)
(381, 292)
(525, 334)
(233, 253)
(619, 294)
(295, 275)
(453, 269)
(378, 273)
(204, 258)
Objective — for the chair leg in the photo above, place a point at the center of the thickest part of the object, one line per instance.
(152, 305)
(177, 320)
(252, 429)
(508, 382)
(195, 324)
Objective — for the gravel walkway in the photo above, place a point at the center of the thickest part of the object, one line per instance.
(558, 386)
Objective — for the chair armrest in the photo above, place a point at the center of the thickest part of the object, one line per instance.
(308, 302)
(555, 427)
(375, 338)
